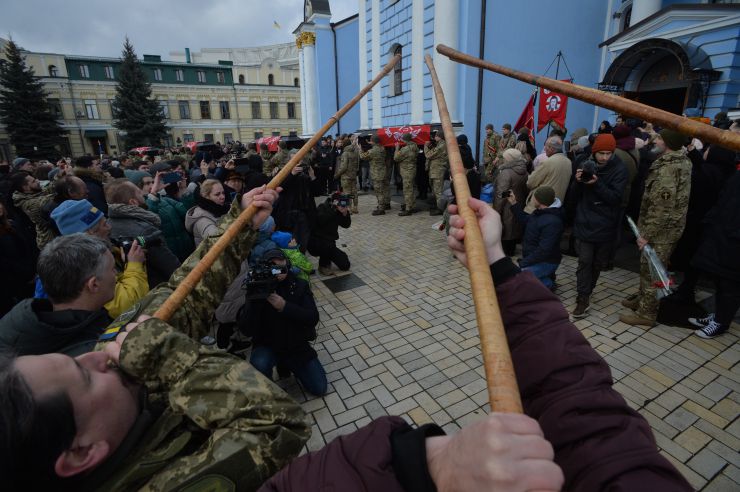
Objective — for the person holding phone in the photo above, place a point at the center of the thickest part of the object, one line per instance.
(171, 213)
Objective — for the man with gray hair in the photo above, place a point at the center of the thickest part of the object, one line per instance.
(79, 277)
(555, 172)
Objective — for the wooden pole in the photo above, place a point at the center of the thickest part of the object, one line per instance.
(178, 296)
(702, 131)
(503, 391)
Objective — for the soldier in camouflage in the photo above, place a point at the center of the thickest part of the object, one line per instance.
(491, 145)
(266, 156)
(662, 218)
(349, 165)
(154, 409)
(406, 159)
(508, 138)
(437, 165)
(378, 172)
(278, 160)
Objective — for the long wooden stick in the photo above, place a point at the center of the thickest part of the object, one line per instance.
(503, 391)
(175, 300)
(702, 131)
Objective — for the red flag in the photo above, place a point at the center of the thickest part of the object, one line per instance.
(527, 117)
(553, 107)
(391, 135)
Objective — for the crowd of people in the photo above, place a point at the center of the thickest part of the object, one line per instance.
(97, 394)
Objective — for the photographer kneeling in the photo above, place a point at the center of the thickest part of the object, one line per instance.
(330, 215)
(282, 324)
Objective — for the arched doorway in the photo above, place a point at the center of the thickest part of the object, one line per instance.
(660, 73)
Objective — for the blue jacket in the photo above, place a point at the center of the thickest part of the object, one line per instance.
(543, 229)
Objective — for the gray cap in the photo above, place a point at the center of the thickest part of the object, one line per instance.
(19, 161)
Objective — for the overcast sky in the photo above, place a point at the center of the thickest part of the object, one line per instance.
(156, 27)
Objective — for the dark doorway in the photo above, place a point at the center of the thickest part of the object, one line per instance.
(671, 100)
(99, 145)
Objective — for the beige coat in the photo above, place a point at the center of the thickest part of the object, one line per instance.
(555, 172)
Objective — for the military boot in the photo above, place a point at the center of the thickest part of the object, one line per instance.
(636, 319)
(632, 302)
(378, 211)
(404, 213)
(387, 206)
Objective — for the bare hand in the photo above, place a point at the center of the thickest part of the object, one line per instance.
(262, 198)
(276, 301)
(204, 167)
(296, 170)
(113, 349)
(641, 242)
(158, 185)
(505, 452)
(511, 198)
(136, 254)
(489, 222)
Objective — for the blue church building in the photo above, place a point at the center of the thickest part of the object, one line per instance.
(671, 54)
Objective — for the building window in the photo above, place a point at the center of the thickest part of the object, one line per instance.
(91, 108)
(109, 72)
(165, 108)
(187, 137)
(274, 110)
(256, 110)
(84, 71)
(395, 88)
(208, 137)
(53, 71)
(225, 111)
(56, 108)
(291, 111)
(276, 134)
(257, 135)
(179, 76)
(201, 77)
(228, 138)
(220, 77)
(241, 79)
(184, 109)
(270, 79)
(205, 110)
(158, 74)
(296, 82)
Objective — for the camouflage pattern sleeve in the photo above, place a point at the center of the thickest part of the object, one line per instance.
(254, 427)
(342, 168)
(666, 199)
(195, 315)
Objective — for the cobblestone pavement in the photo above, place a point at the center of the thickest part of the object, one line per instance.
(402, 340)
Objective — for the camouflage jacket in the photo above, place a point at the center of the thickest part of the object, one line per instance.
(507, 142)
(665, 200)
(349, 163)
(34, 206)
(194, 318)
(279, 159)
(267, 165)
(490, 147)
(437, 162)
(406, 156)
(376, 156)
(209, 421)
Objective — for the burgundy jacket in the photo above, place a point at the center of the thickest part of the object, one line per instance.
(599, 441)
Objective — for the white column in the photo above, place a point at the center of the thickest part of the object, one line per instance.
(642, 9)
(309, 64)
(417, 62)
(302, 80)
(377, 118)
(362, 56)
(446, 28)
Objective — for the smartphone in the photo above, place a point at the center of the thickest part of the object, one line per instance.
(171, 178)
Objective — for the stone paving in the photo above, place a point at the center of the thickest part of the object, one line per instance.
(404, 342)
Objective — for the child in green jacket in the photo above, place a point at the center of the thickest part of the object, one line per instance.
(302, 267)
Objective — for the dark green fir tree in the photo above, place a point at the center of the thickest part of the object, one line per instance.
(135, 112)
(32, 127)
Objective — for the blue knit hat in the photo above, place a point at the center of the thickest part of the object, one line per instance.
(73, 216)
(281, 238)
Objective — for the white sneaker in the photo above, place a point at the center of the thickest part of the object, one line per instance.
(702, 322)
(711, 330)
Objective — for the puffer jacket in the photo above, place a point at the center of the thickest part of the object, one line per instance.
(201, 224)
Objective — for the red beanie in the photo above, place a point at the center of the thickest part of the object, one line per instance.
(604, 142)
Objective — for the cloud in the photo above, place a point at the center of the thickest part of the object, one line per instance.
(98, 28)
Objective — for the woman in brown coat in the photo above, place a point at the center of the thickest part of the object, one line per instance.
(512, 177)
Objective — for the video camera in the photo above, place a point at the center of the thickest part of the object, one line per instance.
(261, 280)
(125, 243)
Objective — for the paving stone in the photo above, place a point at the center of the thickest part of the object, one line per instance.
(706, 463)
(692, 439)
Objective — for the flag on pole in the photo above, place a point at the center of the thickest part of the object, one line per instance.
(553, 107)
(527, 117)
(275, 24)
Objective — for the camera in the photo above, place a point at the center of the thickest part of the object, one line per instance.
(588, 171)
(506, 194)
(261, 280)
(125, 243)
(342, 200)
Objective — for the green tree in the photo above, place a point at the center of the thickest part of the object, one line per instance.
(24, 110)
(135, 112)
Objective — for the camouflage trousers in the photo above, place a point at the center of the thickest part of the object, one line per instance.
(381, 187)
(437, 184)
(408, 175)
(349, 187)
(387, 184)
(648, 303)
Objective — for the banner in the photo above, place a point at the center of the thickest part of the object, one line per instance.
(271, 142)
(389, 136)
(553, 107)
(527, 117)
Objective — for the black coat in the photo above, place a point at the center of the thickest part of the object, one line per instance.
(719, 251)
(94, 182)
(17, 269)
(289, 332)
(599, 205)
(543, 229)
(328, 221)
